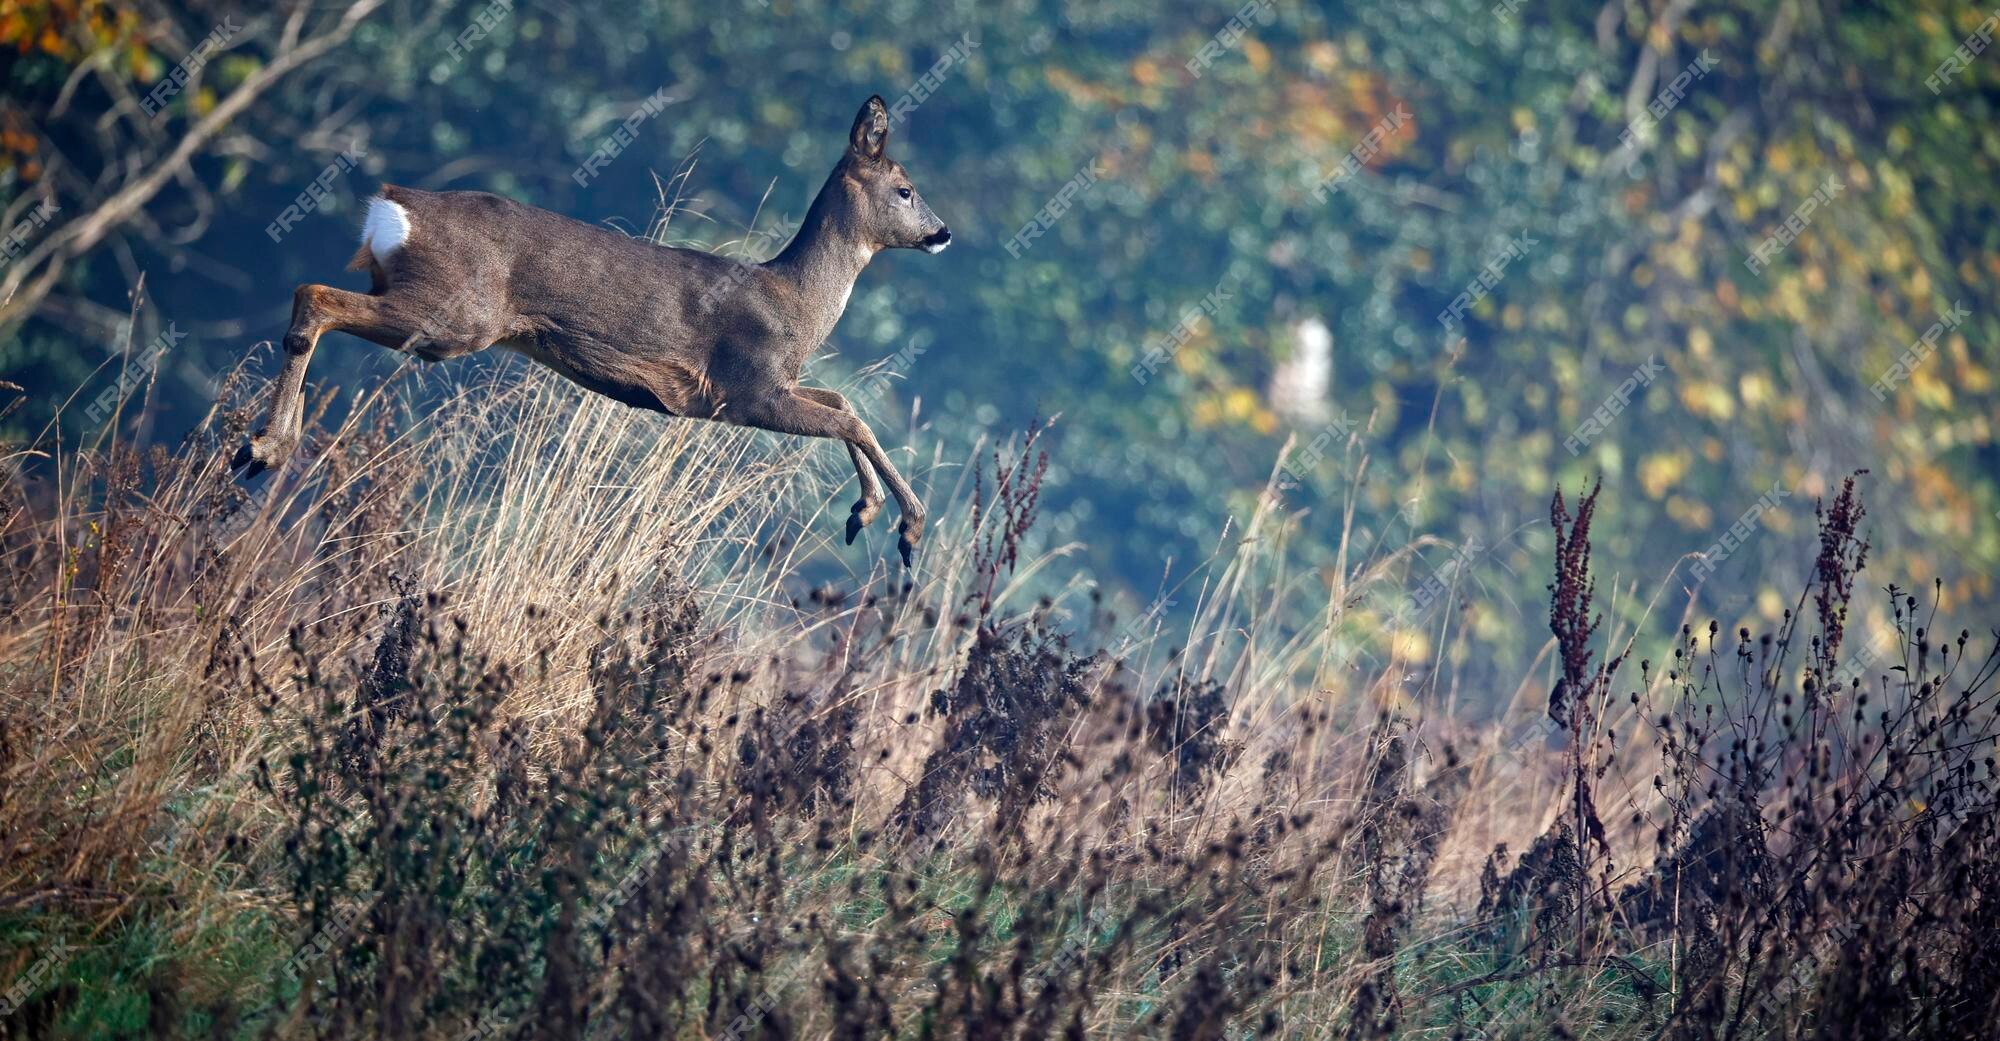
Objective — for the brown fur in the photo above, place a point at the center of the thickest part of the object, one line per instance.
(677, 331)
(364, 260)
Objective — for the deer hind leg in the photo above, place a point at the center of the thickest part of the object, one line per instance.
(317, 310)
(788, 412)
(870, 506)
(274, 442)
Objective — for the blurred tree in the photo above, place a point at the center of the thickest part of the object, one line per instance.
(1464, 226)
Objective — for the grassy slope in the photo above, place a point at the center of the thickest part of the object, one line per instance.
(492, 661)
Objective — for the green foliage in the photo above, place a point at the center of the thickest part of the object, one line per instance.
(1517, 125)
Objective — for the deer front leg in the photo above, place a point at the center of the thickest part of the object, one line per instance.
(786, 412)
(870, 506)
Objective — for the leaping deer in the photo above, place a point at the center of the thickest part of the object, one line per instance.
(678, 331)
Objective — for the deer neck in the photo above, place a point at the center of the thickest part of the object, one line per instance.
(823, 260)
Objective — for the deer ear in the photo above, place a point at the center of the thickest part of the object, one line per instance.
(870, 135)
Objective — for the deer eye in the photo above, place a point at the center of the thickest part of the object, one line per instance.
(903, 191)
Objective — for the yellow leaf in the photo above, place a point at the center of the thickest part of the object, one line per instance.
(1410, 645)
(1689, 514)
(1974, 377)
(1659, 472)
(1754, 388)
(1258, 54)
(1778, 157)
(1708, 400)
(1240, 403)
(1930, 390)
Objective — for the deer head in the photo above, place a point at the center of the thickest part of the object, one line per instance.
(457, 272)
(881, 206)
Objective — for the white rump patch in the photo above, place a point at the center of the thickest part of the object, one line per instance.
(386, 228)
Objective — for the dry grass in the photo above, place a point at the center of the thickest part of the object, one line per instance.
(518, 719)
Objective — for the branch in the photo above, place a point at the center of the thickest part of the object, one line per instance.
(19, 296)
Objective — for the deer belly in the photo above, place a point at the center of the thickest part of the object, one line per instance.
(617, 382)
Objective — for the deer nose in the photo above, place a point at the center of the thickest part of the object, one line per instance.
(936, 241)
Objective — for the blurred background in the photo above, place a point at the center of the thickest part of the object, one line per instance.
(1398, 270)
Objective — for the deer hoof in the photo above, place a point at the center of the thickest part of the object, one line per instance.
(265, 451)
(912, 531)
(862, 516)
